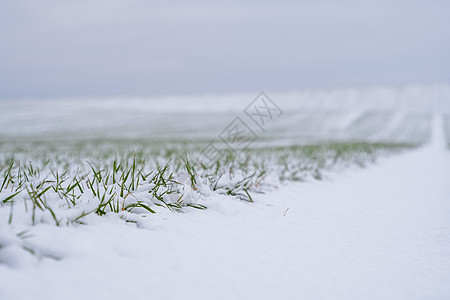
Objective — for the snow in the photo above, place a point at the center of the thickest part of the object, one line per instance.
(376, 233)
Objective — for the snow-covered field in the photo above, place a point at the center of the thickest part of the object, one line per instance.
(399, 114)
(376, 232)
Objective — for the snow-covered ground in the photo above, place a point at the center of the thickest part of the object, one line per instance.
(381, 232)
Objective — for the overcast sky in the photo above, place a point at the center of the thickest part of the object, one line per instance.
(112, 47)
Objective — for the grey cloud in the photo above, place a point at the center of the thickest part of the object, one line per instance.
(54, 48)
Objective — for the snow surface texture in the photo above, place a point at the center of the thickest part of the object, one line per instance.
(377, 233)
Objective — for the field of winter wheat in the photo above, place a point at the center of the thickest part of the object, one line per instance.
(313, 194)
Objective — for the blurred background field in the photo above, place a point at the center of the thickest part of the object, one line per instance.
(390, 114)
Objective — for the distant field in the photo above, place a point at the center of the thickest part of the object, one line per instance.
(391, 114)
